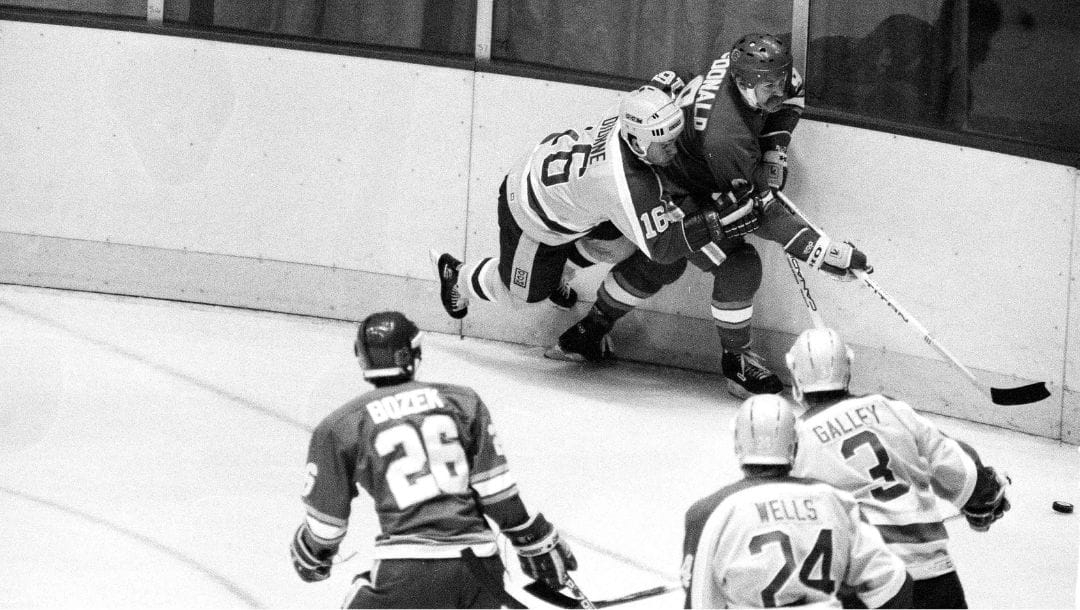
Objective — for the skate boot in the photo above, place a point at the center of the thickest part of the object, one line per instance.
(454, 302)
(586, 341)
(564, 297)
(746, 374)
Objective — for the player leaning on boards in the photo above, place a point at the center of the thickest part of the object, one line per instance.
(739, 116)
(773, 540)
(594, 180)
(428, 456)
(896, 463)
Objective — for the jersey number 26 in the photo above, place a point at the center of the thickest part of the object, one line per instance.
(432, 461)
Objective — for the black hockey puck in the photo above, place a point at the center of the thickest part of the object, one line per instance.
(1062, 507)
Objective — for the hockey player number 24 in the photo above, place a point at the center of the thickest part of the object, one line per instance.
(822, 552)
(432, 461)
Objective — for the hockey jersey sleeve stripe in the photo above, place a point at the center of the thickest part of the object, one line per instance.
(325, 533)
(494, 486)
(542, 214)
(913, 533)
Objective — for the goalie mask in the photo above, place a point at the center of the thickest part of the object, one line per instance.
(647, 116)
(765, 431)
(819, 362)
(761, 66)
(388, 346)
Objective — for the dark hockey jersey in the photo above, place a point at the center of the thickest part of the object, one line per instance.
(427, 455)
(725, 137)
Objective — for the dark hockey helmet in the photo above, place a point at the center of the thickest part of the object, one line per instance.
(388, 346)
(757, 57)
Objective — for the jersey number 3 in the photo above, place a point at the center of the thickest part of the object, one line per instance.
(431, 461)
(892, 489)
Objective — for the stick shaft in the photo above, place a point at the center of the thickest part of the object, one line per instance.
(804, 291)
(926, 336)
(897, 309)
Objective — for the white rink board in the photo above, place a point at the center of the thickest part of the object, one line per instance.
(231, 149)
(315, 184)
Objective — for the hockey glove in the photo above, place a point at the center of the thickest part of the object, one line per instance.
(727, 216)
(774, 166)
(837, 260)
(312, 565)
(544, 556)
(990, 502)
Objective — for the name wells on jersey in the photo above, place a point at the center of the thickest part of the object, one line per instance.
(846, 422)
(404, 403)
(787, 510)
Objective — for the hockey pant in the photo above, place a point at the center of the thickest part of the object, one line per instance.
(735, 282)
(425, 583)
(528, 271)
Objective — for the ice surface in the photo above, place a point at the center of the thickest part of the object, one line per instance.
(152, 455)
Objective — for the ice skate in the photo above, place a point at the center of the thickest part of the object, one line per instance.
(454, 302)
(586, 341)
(746, 374)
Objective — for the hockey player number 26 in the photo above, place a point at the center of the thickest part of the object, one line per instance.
(432, 461)
(821, 553)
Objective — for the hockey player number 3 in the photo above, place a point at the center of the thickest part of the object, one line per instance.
(432, 461)
(822, 552)
(881, 470)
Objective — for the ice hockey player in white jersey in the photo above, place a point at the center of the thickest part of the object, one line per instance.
(772, 540)
(595, 180)
(896, 462)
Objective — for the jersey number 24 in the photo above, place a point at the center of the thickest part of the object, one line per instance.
(820, 554)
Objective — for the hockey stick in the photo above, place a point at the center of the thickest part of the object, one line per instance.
(1022, 395)
(561, 600)
(804, 290)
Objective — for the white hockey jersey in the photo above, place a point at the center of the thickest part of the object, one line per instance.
(574, 180)
(771, 542)
(896, 463)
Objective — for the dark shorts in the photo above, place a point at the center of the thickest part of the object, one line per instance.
(430, 583)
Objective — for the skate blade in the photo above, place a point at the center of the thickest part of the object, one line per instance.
(556, 353)
(737, 390)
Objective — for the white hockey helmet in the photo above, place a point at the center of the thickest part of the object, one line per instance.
(819, 361)
(649, 115)
(765, 431)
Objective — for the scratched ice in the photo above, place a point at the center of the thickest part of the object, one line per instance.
(152, 456)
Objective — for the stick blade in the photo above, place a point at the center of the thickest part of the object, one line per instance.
(556, 598)
(1023, 395)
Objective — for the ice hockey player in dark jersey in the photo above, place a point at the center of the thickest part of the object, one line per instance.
(594, 183)
(896, 462)
(428, 456)
(773, 540)
(740, 115)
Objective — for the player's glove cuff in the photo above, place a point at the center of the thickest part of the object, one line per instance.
(312, 565)
(990, 502)
(544, 556)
